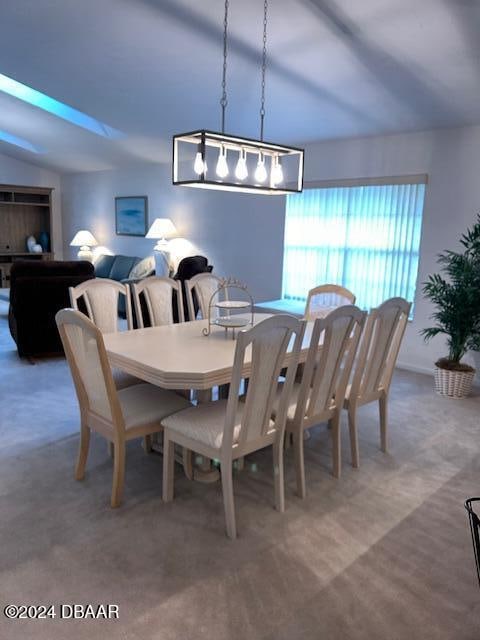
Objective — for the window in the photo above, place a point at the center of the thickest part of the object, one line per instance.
(365, 238)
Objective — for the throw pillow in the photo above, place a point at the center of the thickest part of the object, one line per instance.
(143, 269)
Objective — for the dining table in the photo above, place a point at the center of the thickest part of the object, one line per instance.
(180, 357)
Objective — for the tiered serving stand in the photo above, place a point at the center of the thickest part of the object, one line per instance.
(226, 306)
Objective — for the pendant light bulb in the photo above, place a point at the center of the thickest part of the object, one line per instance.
(222, 166)
(199, 166)
(277, 171)
(241, 171)
(260, 171)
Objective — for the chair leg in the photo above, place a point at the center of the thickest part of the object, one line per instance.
(383, 410)
(187, 458)
(278, 476)
(118, 473)
(147, 444)
(299, 461)
(352, 426)
(168, 467)
(227, 489)
(82, 452)
(336, 445)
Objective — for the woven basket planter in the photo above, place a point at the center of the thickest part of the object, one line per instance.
(454, 384)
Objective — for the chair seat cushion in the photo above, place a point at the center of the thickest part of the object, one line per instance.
(205, 423)
(145, 403)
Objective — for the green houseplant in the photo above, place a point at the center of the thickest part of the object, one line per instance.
(457, 300)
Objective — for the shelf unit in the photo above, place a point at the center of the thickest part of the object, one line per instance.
(24, 211)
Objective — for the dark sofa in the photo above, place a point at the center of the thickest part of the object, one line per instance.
(38, 289)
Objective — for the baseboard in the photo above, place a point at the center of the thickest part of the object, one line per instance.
(428, 371)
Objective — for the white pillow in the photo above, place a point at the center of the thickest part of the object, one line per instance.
(143, 269)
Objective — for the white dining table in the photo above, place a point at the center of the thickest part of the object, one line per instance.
(180, 357)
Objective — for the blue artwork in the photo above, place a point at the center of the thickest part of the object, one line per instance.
(131, 215)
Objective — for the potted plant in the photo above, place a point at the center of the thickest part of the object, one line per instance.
(457, 315)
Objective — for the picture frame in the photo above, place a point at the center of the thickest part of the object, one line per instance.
(131, 215)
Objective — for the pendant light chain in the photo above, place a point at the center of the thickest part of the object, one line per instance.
(223, 100)
(258, 166)
(264, 67)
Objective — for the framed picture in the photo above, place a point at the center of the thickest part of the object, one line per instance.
(131, 215)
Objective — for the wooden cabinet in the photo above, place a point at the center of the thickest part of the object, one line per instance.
(24, 211)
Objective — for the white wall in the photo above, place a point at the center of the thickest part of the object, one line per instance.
(451, 158)
(22, 173)
(241, 234)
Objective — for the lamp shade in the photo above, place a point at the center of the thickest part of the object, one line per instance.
(161, 228)
(83, 238)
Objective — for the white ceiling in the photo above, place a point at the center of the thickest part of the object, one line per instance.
(151, 68)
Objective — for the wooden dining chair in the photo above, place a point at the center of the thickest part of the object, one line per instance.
(118, 416)
(381, 340)
(230, 429)
(323, 299)
(200, 288)
(158, 295)
(318, 397)
(100, 300)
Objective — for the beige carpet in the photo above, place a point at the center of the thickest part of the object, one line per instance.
(382, 554)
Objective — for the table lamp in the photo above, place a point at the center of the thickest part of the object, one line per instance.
(160, 229)
(84, 240)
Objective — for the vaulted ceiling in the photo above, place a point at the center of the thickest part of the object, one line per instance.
(151, 68)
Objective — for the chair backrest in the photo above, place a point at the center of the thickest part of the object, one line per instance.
(268, 343)
(202, 286)
(100, 297)
(158, 295)
(378, 353)
(332, 350)
(91, 372)
(325, 298)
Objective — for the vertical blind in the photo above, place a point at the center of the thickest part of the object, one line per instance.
(365, 238)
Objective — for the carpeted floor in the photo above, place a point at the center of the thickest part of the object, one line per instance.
(382, 554)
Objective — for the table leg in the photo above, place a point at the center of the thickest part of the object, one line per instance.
(204, 471)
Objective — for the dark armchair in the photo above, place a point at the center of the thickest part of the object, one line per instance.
(37, 291)
(187, 268)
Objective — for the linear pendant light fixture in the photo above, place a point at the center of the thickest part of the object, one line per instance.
(212, 160)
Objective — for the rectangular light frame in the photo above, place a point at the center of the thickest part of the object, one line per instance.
(201, 139)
